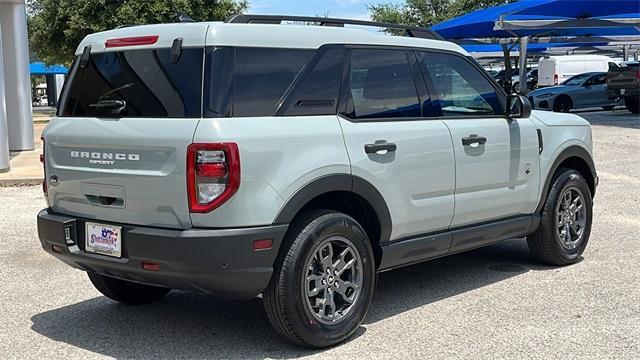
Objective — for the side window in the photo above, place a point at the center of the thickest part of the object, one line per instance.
(318, 93)
(599, 79)
(381, 85)
(461, 89)
(262, 75)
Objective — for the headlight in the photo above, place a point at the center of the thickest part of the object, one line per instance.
(544, 96)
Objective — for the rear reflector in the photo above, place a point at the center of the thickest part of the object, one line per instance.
(150, 266)
(264, 244)
(131, 41)
(56, 249)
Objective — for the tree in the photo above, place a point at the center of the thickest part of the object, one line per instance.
(56, 27)
(426, 13)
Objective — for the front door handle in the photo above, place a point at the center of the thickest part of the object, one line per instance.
(379, 145)
(473, 139)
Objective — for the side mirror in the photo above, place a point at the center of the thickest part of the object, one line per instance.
(519, 107)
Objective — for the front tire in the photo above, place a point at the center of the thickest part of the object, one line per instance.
(323, 282)
(127, 292)
(565, 222)
(562, 104)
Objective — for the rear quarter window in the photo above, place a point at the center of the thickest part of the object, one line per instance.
(148, 83)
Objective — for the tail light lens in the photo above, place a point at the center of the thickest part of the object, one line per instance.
(213, 175)
(555, 79)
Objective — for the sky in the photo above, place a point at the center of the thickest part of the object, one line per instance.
(348, 9)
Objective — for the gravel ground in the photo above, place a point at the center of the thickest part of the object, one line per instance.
(489, 303)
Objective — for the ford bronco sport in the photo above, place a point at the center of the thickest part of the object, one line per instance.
(257, 156)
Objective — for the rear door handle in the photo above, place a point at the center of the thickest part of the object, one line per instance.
(379, 145)
(473, 139)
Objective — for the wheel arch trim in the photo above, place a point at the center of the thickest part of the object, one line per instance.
(570, 152)
(338, 182)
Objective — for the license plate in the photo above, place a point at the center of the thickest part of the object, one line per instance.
(103, 239)
(622, 91)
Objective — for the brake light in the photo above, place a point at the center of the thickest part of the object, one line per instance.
(131, 41)
(213, 175)
(555, 79)
(44, 168)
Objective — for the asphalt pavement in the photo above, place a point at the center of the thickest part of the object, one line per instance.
(494, 302)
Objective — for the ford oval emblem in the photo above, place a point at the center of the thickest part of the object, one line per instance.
(54, 180)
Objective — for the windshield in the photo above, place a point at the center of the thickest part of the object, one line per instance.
(577, 80)
(135, 83)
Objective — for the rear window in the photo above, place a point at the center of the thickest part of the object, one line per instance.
(145, 82)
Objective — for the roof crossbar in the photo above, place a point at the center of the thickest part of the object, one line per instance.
(411, 31)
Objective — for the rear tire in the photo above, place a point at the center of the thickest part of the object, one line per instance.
(309, 300)
(632, 103)
(127, 292)
(562, 104)
(565, 223)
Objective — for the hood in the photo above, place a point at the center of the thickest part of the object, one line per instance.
(559, 119)
(548, 90)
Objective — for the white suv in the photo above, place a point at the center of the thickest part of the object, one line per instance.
(296, 161)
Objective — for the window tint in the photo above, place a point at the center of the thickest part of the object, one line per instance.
(381, 85)
(262, 75)
(146, 80)
(599, 79)
(319, 90)
(461, 89)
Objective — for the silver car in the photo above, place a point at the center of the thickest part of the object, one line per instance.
(580, 91)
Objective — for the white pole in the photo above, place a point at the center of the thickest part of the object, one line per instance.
(59, 80)
(524, 42)
(4, 133)
(13, 21)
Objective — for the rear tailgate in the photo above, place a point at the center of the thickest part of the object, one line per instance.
(116, 152)
(623, 78)
(130, 171)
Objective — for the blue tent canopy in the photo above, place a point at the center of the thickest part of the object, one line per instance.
(594, 18)
(531, 48)
(39, 68)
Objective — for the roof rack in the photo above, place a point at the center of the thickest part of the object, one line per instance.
(411, 31)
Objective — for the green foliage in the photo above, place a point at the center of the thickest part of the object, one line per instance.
(56, 27)
(427, 12)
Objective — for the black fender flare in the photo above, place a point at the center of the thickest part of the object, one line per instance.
(569, 152)
(338, 182)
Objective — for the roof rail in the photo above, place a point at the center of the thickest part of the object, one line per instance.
(411, 31)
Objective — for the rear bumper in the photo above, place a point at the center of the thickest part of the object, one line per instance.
(221, 262)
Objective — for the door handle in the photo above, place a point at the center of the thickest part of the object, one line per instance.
(379, 145)
(473, 139)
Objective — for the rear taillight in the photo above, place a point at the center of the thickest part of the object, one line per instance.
(555, 79)
(44, 168)
(213, 175)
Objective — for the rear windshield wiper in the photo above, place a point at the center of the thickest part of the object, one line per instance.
(125, 86)
(116, 106)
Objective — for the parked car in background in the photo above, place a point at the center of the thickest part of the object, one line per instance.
(555, 70)
(624, 83)
(493, 72)
(581, 91)
(532, 79)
